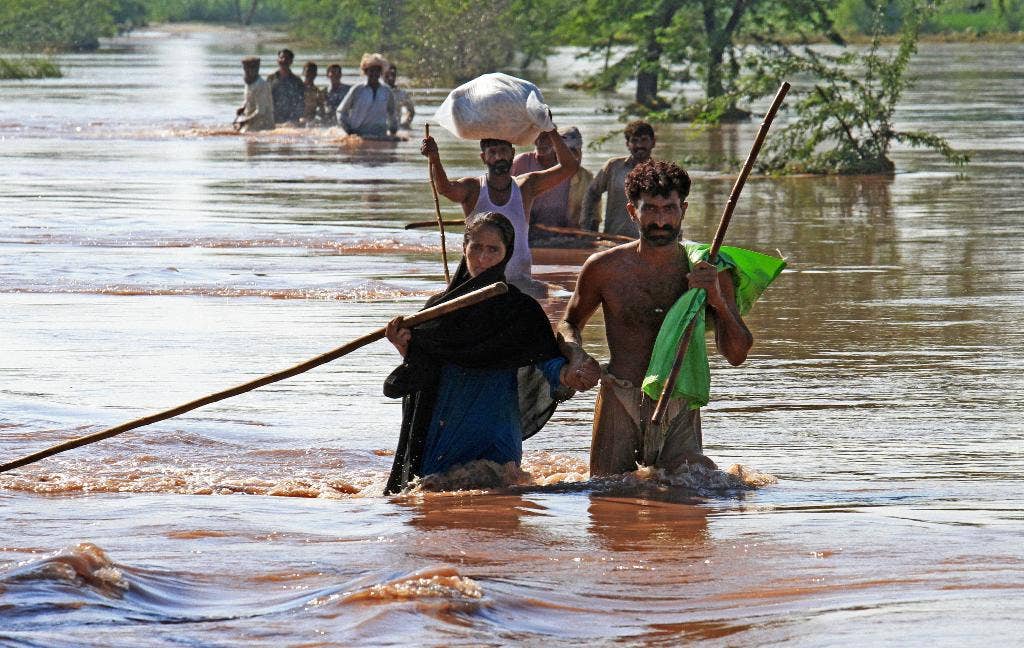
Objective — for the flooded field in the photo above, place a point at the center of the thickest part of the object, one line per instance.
(148, 256)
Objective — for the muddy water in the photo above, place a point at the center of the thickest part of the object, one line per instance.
(148, 256)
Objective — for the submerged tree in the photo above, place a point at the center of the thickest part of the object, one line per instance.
(668, 40)
(845, 113)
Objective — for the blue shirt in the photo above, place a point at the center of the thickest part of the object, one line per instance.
(476, 416)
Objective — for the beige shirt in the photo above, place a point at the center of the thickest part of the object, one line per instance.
(405, 107)
(611, 178)
(259, 105)
(578, 186)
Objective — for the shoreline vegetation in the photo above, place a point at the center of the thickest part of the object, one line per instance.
(29, 68)
(735, 54)
(376, 25)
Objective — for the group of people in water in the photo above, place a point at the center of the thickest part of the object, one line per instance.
(476, 383)
(368, 108)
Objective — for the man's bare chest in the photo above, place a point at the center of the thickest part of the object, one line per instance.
(640, 300)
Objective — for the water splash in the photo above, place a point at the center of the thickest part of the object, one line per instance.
(82, 565)
(195, 465)
(444, 582)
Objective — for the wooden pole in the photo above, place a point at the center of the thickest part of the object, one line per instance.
(552, 229)
(437, 209)
(582, 233)
(716, 245)
(425, 224)
(408, 322)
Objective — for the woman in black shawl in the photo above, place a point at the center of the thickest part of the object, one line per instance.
(478, 381)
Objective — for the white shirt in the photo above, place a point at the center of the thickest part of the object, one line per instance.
(362, 112)
(258, 102)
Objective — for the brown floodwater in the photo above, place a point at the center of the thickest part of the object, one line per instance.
(871, 444)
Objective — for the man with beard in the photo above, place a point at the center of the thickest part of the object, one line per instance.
(636, 284)
(499, 191)
(611, 178)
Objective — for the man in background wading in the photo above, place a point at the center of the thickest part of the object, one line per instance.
(336, 92)
(287, 89)
(636, 284)
(257, 113)
(562, 205)
(403, 102)
(368, 109)
(499, 191)
(612, 177)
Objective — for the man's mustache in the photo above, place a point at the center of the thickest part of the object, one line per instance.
(668, 229)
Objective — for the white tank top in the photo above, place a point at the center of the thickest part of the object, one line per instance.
(520, 265)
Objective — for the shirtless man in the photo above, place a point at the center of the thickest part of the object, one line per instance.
(499, 191)
(636, 284)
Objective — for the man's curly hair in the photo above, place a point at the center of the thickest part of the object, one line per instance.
(636, 128)
(657, 178)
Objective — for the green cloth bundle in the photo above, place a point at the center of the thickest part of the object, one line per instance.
(751, 272)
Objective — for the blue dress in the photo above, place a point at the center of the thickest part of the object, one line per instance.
(476, 416)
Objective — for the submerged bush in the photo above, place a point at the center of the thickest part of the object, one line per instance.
(845, 118)
(49, 25)
(28, 69)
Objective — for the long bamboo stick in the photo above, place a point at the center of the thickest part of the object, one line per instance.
(437, 209)
(408, 322)
(552, 229)
(425, 224)
(716, 245)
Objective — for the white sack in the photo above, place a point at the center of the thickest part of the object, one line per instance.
(495, 106)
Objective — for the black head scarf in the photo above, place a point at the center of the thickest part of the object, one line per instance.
(510, 331)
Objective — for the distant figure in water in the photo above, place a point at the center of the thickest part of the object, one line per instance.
(636, 284)
(561, 206)
(335, 93)
(314, 99)
(288, 90)
(369, 109)
(403, 102)
(257, 113)
(465, 375)
(500, 191)
(611, 178)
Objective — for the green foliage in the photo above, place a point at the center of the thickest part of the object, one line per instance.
(438, 41)
(28, 68)
(977, 17)
(214, 11)
(455, 40)
(845, 111)
(861, 16)
(46, 25)
(344, 23)
(667, 41)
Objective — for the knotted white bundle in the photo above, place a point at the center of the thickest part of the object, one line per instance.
(496, 106)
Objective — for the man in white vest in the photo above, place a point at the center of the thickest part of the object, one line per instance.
(499, 191)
